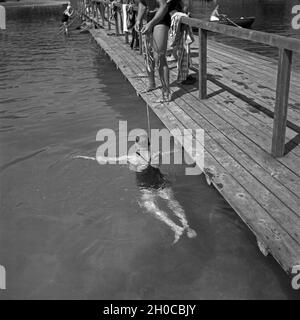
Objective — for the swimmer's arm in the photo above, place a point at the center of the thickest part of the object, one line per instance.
(216, 12)
(105, 159)
(158, 154)
(141, 11)
(123, 159)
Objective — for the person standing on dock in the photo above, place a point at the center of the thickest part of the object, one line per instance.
(155, 34)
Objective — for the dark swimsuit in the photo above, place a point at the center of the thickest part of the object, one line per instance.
(65, 18)
(152, 7)
(151, 178)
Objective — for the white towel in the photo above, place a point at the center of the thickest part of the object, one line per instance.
(124, 10)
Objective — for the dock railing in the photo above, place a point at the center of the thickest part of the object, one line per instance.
(286, 46)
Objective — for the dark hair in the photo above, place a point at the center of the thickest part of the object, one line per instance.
(137, 139)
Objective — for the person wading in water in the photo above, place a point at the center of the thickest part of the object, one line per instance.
(66, 16)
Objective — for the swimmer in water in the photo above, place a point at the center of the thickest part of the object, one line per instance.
(153, 185)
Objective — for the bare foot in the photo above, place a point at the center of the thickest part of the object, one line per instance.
(191, 233)
(178, 233)
(166, 97)
(166, 94)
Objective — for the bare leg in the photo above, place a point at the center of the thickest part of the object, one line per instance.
(148, 202)
(160, 42)
(151, 79)
(66, 28)
(147, 46)
(174, 205)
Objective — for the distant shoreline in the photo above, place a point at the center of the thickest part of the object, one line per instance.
(32, 3)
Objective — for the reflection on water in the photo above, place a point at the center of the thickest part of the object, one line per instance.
(74, 229)
(274, 16)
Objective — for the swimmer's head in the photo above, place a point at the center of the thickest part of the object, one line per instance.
(142, 158)
(142, 143)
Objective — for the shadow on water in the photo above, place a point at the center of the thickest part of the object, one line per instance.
(72, 228)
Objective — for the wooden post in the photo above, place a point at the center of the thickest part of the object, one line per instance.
(93, 14)
(117, 23)
(282, 100)
(141, 39)
(97, 14)
(121, 19)
(108, 17)
(127, 32)
(202, 63)
(102, 12)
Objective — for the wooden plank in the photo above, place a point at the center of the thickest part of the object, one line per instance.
(251, 75)
(267, 64)
(263, 72)
(281, 106)
(291, 161)
(250, 114)
(244, 91)
(259, 113)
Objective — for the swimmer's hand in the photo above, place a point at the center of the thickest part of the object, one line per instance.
(147, 28)
(137, 26)
(157, 158)
(112, 160)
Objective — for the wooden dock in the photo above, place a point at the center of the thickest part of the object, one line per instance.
(240, 98)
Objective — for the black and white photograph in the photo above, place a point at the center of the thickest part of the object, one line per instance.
(149, 153)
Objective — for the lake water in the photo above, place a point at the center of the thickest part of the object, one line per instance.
(71, 228)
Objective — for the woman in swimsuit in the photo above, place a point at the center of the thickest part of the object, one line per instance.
(158, 24)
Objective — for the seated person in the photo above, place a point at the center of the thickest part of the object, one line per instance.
(215, 16)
